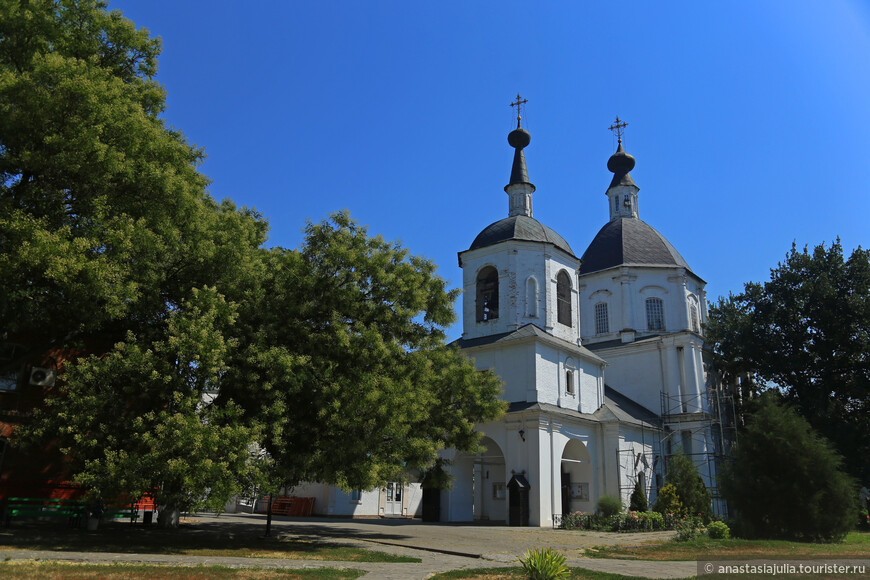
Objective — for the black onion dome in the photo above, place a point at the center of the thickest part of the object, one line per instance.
(519, 227)
(620, 163)
(519, 138)
(629, 241)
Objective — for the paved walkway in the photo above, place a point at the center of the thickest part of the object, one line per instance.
(441, 547)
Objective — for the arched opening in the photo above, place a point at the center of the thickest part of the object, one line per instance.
(531, 297)
(480, 485)
(487, 294)
(563, 298)
(577, 478)
(570, 377)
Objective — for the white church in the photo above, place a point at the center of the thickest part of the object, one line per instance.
(602, 358)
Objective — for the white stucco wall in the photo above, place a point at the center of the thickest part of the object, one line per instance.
(516, 262)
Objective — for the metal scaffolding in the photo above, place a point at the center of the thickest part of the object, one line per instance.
(707, 418)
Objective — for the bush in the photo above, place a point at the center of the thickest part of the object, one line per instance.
(718, 530)
(638, 502)
(609, 505)
(688, 528)
(576, 521)
(691, 491)
(863, 520)
(667, 501)
(630, 522)
(544, 564)
(786, 482)
(641, 522)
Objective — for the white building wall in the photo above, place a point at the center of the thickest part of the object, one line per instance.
(516, 262)
(637, 456)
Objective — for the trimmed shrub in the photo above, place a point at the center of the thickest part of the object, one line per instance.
(691, 491)
(609, 505)
(576, 521)
(688, 528)
(544, 564)
(641, 522)
(718, 530)
(786, 480)
(667, 501)
(630, 522)
(638, 502)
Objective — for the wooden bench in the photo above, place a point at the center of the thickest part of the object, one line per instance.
(120, 509)
(72, 510)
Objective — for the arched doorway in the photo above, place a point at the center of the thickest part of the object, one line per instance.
(577, 478)
(489, 484)
(479, 486)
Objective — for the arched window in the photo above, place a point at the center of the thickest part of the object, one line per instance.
(570, 374)
(531, 298)
(563, 298)
(655, 314)
(487, 294)
(696, 326)
(602, 324)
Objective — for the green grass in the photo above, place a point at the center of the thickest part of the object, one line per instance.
(517, 574)
(855, 545)
(127, 539)
(55, 570)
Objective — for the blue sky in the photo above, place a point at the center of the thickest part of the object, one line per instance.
(749, 120)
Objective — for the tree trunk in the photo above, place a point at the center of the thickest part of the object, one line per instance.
(168, 516)
(269, 517)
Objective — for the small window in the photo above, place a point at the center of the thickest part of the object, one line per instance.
(356, 496)
(563, 298)
(569, 382)
(696, 326)
(655, 314)
(602, 324)
(499, 491)
(487, 294)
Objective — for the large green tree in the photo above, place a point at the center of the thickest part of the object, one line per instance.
(110, 246)
(786, 480)
(806, 333)
(345, 361)
(186, 346)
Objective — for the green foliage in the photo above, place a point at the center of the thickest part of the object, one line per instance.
(544, 564)
(134, 420)
(805, 333)
(638, 502)
(110, 246)
(786, 481)
(630, 522)
(668, 502)
(688, 528)
(609, 505)
(207, 363)
(690, 490)
(345, 361)
(718, 530)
